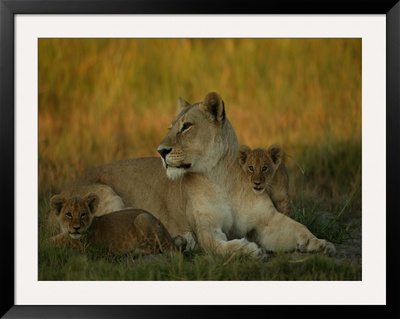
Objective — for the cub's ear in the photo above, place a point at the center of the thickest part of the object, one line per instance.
(276, 153)
(92, 200)
(243, 152)
(181, 105)
(56, 203)
(214, 107)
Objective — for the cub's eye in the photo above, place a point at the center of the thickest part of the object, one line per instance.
(251, 169)
(185, 126)
(83, 215)
(264, 169)
(69, 215)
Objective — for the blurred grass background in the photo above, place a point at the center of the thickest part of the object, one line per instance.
(102, 100)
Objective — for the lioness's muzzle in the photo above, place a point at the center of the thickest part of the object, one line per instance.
(164, 152)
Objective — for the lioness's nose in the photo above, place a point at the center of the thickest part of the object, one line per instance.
(76, 227)
(164, 152)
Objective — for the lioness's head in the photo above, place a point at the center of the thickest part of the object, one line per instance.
(260, 165)
(75, 214)
(194, 142)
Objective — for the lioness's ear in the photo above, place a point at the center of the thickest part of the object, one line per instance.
(276, 153)
(214, 107)
(92, 200)
(243, 152)
(56, 203)
(181, 105)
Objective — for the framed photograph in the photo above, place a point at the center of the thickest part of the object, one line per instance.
(85, 83)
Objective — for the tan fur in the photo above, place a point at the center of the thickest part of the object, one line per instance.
(128, 230)
(198, 189)
(267, 173)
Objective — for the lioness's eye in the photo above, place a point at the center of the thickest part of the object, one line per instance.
(69, 215)
(251, 169)
(264, 169)
(83, 215)
(185, 126)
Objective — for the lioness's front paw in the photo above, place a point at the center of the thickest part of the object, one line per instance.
(317, 245)
(329, 249)
(258, 254)
(255, 251)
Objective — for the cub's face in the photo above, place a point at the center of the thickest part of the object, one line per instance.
(75, 214)
(260, 165)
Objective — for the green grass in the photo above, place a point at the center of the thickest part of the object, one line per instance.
(63, 264)
(102, 100)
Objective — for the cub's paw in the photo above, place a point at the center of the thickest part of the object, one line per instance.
(180, 242)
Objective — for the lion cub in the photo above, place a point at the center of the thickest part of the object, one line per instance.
(127, 230)
(266, 172)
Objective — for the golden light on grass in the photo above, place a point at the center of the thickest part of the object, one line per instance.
(102, 100)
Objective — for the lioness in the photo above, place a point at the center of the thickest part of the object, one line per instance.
(128, 230)
(198, 189)
(267, 172)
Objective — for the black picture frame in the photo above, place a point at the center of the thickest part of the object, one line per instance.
(9, 8)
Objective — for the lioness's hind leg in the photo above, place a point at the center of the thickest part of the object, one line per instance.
(109, 200)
